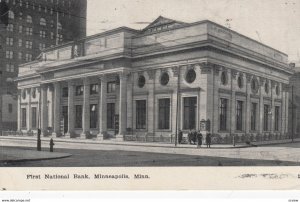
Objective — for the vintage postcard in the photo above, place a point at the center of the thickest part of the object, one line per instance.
(149, 95)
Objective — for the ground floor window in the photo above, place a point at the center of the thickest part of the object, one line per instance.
(189, 112)
(141, 114)
(78, 116)
(253, 116)
(266, 117)
(110, 115)
(239, 115)
(23, 115)
(277, 116)
(223, 113)
(33, 117)
(164, 113)
(93, 116)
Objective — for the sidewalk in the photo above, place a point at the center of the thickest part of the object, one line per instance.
(145, 144)
(11, 154)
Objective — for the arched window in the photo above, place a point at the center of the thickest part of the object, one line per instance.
(240, 81)
(11, 15)
(29, 19)
(43, 22)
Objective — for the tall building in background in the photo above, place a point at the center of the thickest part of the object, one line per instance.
(33, 26)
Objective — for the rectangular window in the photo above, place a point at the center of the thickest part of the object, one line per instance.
(10, 108)
(10, 68)
(253, 116)
(93, 116)
(23, 121)
(266, 117)
(189, 112)
(111, 87)
(277, 116)
(20, 42)
(9, 54)
(65, 92)
(223, 114)
(141, 114)
(78, 116)
(20, 55)
(239, 115)
(79, 90)
(28, 44)
(110, 115)
(28, 57)
(34, 120)
(20, 29)
(10, 27)
(164, 113)
(94, 89)
(9, 41)
(28, 31)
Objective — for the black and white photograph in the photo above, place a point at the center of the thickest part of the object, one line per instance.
(163, 84)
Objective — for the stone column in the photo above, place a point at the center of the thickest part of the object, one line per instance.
(287, 109)
(19, 110)
(261, 106)
(102, 108)
(233, 102)
(123, 105)
(29, 111)
(272, 125)
(130, 101)
(44, 110)
(71, 114)
(283, 109)
(57, 115)
(248, 106)
(174, 118)
(86, 108)
(151, 102)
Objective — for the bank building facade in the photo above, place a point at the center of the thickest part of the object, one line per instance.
(147, 84)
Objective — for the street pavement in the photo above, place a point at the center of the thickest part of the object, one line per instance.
(92, 154)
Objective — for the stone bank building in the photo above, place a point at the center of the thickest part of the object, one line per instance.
(144, 84)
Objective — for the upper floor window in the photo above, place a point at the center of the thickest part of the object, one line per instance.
(94, 89)
(9, 54)
(28, 57)
(65, 92)
(10, 68)
(164, 79)
(190, 76)
(43, 22)
(28, 44)
(79, 90)
(20, 29)
(27, 4)
(21, 2)
(42, 46)
(42, 34)
(9, 41)
(141, 81)
(10, 27)
(29, 19)
(28, 31)
(111, 87)
(11, 15)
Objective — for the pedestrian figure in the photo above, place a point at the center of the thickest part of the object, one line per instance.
(194, 136)
(190, 136)
(199, 139)
(51, 145)
(179, 136)
(208, 140)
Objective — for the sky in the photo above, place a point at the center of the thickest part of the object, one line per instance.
(275, 23)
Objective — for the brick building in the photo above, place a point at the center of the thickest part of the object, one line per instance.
(132, 84)
(33, 26)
